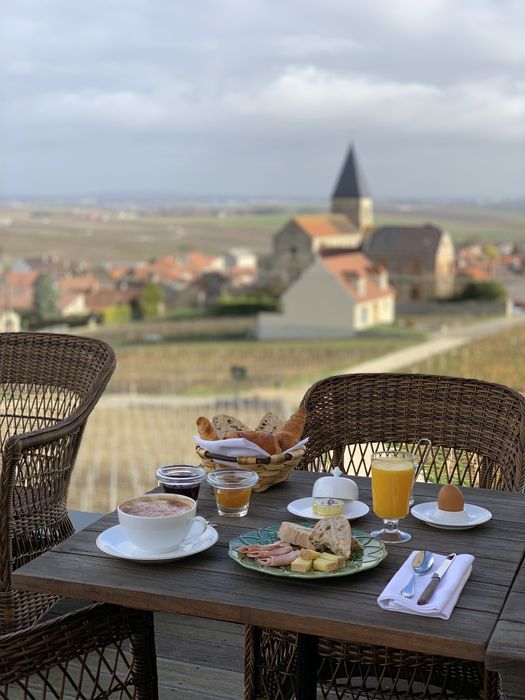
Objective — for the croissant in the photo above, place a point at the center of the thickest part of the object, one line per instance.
(265, 441)
(290, 433)
(206, 429)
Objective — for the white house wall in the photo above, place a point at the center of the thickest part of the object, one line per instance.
(316, 306)
(374, 312)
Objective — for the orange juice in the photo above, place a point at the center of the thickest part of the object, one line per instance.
(392, 480)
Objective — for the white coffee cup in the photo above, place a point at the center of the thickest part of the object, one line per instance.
(160, 522)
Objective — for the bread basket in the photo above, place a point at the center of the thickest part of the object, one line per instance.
(271, 470)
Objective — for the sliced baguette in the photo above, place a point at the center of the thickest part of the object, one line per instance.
(269, 423)
(224, 424)
(298, 535)
(332, 535)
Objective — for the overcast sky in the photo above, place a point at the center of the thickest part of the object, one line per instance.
(262, 97)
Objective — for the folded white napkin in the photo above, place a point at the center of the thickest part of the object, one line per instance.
(237, 447)
(445, 596)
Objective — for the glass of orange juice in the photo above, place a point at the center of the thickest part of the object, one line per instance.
(233, 490)
(393, 474)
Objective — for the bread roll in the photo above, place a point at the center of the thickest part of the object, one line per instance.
(265, 441)
(292, 431)
(206, 429)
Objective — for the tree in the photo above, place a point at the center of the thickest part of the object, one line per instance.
(151, 300)
(484, 291)
(45, 298)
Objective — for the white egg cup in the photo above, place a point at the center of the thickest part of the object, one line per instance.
(449, 517)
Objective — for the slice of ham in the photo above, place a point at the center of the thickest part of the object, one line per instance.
(281, 560)
(261, 547)
(275, 552)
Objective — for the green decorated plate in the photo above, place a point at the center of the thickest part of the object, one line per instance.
(373, 552)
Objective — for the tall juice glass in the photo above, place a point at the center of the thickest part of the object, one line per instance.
(393, 475)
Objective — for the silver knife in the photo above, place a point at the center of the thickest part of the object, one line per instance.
(434, 581)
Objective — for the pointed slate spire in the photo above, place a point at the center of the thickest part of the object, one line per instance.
(351, 183)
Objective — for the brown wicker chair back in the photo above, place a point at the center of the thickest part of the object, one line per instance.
(477, 430)
(49, 385)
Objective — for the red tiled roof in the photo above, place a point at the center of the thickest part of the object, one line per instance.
(104, 298)
(79, 283)
(478, 274)
(348, 267)
(324, 225)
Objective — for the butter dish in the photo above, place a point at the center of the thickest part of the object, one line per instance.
(336, 486)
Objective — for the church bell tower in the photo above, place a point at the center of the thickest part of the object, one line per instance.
(351, 195)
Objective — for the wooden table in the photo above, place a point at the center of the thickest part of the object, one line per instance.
(211, 585)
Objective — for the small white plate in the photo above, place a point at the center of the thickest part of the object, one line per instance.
(303, 508)
(474, 515)
(114, 541)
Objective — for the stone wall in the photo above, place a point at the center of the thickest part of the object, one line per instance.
(443, 308)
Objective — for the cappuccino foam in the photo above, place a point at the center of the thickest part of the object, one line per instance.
(156, 508)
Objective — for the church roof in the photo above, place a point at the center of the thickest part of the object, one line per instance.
(351, 181)
(321, 225)
(416, 240)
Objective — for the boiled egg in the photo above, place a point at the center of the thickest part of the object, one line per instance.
(450, 499)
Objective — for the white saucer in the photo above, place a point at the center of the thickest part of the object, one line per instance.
(113, 541)
(303, 508)
(473, 515)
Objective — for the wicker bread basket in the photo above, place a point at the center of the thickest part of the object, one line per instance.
(271, 470)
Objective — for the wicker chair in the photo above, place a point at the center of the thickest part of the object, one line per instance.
(49, 385)
(477, 431)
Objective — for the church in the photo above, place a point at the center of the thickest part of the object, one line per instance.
(351, 217)
(420, 259)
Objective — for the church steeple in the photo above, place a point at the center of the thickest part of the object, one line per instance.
(351, 194)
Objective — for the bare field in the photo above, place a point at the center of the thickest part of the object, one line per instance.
(205, 367)
(463, 223)
(71, 237)
(53, 230)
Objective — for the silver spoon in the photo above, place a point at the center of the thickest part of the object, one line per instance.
(421, 563)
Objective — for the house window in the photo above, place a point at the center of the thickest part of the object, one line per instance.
(364, 315)
(415, 293)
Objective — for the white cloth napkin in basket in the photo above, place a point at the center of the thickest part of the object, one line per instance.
(445, 596)
(237, 447)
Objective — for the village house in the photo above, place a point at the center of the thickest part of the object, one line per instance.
(340, 293)
(420, 260)
(10, 321)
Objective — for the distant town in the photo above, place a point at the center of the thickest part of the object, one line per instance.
(328, 274)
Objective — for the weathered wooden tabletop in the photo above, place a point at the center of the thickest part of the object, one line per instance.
(212, 585)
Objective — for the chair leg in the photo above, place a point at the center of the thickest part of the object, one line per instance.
(306, 671)
(145, 660)
(252, 643)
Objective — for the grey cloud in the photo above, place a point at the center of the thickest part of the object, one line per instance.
(228, 95)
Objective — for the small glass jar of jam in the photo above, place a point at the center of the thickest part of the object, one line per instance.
(181, 478)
